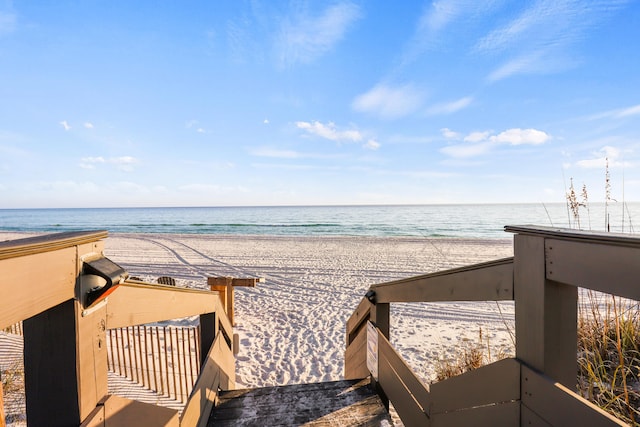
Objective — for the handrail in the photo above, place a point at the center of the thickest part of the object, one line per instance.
(41, 284)
(542, 278)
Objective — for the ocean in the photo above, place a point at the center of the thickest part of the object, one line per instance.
(467, 221)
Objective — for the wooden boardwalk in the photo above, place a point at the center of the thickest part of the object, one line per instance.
(339, 403)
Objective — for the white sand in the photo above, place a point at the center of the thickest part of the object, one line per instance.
(292, 327)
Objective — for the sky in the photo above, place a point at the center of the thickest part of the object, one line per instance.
(236, 103)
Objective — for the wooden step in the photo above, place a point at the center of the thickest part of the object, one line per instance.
(338, 403)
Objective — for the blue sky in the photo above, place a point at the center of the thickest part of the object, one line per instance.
(200, 103)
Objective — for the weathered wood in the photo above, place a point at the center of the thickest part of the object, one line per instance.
(606, 268)
(339, 403)
(135, 304)
(613, 239)
(397, 369)
(490, 281)
(498, 382)
(47, 243)
(218, 372)
(503, 415)
(34, 283)
(558, 405)
(225, 285)
(355, 357)
(530, 418)
(409, 410)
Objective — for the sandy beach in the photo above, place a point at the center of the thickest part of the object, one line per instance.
(292, 326)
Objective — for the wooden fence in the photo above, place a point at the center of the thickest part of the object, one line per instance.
(69, 296)
(538, 386)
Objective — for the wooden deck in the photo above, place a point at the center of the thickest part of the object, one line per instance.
(339, 403)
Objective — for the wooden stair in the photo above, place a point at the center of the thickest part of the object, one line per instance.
(338, 403)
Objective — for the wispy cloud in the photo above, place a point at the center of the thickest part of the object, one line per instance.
(389, 102)
(599, 159)
(8, 22)
(619, 113)
(303, 38)
(124, 163)
(372, 144)
(88, 125)
(479, 143)
(330, 131)
(538, 38)
(450, 107)
(65, 125)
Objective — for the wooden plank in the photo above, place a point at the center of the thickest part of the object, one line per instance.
(120, 411)
(419, 391)
(530, 418)
(47, 243)
(498, 382)
(504, 415)
(336, 403)
(235, 281)
(558, 405)
(218, 371)
(2, 416)
(617, 239)
(410, 412)
(96, 418)
(358, 318)
(91, 354)
(355, 357)
(529, 279)
(601, 267)
(135, 304)
(34, 283)
(490, 281)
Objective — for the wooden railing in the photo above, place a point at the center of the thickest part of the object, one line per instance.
(43, 283)
(537, 387)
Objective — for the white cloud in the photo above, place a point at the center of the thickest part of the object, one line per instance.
(478, 143)
(329, 131)
(599, 159)
(265, 121)
(521, 136)
(449, 134)
(65, 125)
(303, 38)
(88, 125)
(124, 163)
(389, 102)
(450, 107)
(372, 144)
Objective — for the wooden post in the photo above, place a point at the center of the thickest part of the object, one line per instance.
(545, 314)
(208, 332)
(2, 422)
(224, 285)
(65, 358)
(380, 317)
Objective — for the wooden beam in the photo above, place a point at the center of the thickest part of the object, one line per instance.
(601, 267)
(218, 372)
(355, 357)
(135, 304)
(47, 243)
(559, 406)
(358, 318)
(472, 389)
(616, 239)
(225, 285)
(490, 281)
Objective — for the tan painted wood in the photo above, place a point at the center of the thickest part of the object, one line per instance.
(558, 405)
(410, 412)
(419, 391)
(122, 412)
(235, 281)
(225, 285)
(490, 281)
(498, 382)
(218, 371)
(355, 357)
(34, 283)
(601, 267)
(96, 418)
(47, 243)
(503, 415)
(135, 304)
(358, 319)
(91, 355)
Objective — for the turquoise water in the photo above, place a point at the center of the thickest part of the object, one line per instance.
(478, 221)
